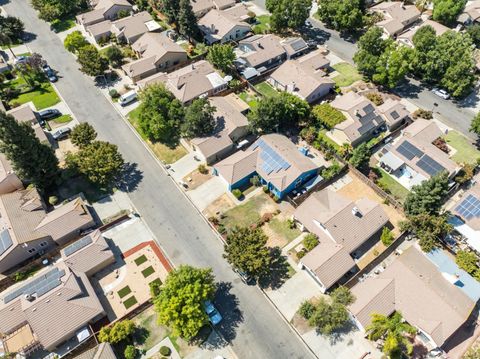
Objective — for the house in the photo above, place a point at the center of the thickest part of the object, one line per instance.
(201, 7)
(470, 14)
(198, 79)
(231, 126)
(260, 53)
(466, 214)
(26, 114)
(58, 303)
(362, 120)
(344, 229)
(240, 12)
(219, 26)
(397, 17)
(101, 351)
(413, 286)
(103, 10)
(9, 181)
(156, 52)
(28, 229)
(304, 77)
(275, 159)
(407, 37)
(394, 113)
(126, 30)
(413, 157)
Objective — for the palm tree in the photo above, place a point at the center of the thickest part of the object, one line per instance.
(393, 329)
(346, 149)
(5, 40)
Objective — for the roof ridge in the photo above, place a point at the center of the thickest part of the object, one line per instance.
(390, 280)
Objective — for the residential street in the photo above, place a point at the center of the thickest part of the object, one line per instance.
(180, 230)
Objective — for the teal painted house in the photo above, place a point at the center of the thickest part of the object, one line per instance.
(281, 166)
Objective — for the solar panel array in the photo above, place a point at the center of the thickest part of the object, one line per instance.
(74, 247)
(39, 286)
(297, 44)
(407, 150)
(395, 115)
(272, 161)
(469, 207)
(429, 165)
(5, 241)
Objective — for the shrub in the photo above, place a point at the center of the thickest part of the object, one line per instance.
(327, 115)
(53, 200)
(202, 169)
(291, 223)
(387, 236)
(301, 254)
(375, 97)
(255, 181)
(306, 310)
(310, 241)
(235, 84)
(441, 144)
(214, 220)
(114, 93)
(372, 176)
(165, 351)
(465, 174)
(421, 113)
(155, 288)
(130, 352)
(276, 198)
(265, 189)
(309, 134)
(266, 217)
(237, 193)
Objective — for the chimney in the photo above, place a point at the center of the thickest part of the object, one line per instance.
(259, 44)
(356, 212)
(212, 27)
(357, 113)
(29, 297)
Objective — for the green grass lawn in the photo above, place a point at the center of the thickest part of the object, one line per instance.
(130, 302)
(63, 119)
(124, 291)
(42, 96)
(263, 25)
(140, 260)
(245, 214)
(265, 89)
(157, 281)
(148, 271)
(323, 135)
(282, 229)
(162, 151)
(63, 24)
(466, 152)
(396, 189)
(348, 74)
(251, 100)
(150, 332)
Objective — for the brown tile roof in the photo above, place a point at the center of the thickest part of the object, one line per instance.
(328, 212)
(100, 28)
(216, 24)
(408, 35)
(201, 6)
(132, 26)
(397, 15)
(24, 113)
(393, 111)
(421, 293)
(156, 44)
(101, 351)
(259, 49)
(237, 166)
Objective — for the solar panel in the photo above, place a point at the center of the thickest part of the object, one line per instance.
(272, 161)
(395, 115)
(407, 150)
(76, 246)
(469, 207)
(39, 286)
(430, 166)
(297, 44)
(5, 241)
(369, 108)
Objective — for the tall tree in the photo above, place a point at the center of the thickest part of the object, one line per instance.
(187, 21)
(288, 13)
(199, 119)
(342, 15)
(83, 134)
(428, 228)
(392, 65)
(221, 56)
(92, 63)
(75, 41)
(180, 302)
(12, 27)
(114, 55)
(428, 196)
(475, 125)
(360, 155)
(447, 11)
(32, 160)
(160, 114)
(169, 8)
(246, 251)
(370, 47)
(394, 329)
(279, 112)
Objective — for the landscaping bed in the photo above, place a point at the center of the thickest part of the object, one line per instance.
(130, 302)
(140, 260)
(124, 291)
(148, 271)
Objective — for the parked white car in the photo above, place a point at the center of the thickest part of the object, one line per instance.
(127, 98)
(441, 93)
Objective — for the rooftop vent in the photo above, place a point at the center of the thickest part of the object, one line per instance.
(356, 212)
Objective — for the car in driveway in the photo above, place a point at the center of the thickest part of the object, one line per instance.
(61, 133)
(47, 70)
(213, 315)
(49, 113)
(441, 93)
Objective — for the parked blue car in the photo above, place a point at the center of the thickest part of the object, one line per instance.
(213, 315)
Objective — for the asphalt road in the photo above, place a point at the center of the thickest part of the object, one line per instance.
(253, 327)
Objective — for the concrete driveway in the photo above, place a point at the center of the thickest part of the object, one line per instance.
(208, 192)
(129, 234)
(184, 166)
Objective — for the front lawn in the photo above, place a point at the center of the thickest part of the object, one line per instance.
(388, 184)
(246, 214)
(63, 119)
(266, 89)
(263, 24)
(63, 24)
(161, 151)
(348, 74)
(465, 151)
(282, 229)
(42, 95)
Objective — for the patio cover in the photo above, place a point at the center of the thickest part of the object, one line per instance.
(392, 161)
(472, 236)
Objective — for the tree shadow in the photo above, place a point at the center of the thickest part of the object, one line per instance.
(279, 269)
(130, 177)
(28, 36)
(228, 306)
(140, 335)
(313, 33)
(338, 335)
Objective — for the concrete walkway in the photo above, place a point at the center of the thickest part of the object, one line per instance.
(165, 342)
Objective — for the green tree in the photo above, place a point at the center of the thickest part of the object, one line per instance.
(169, 8)
(180, 303)
(472, 353)
(74, 41)
(467, 261)
(187, 21)
(423, 59)
(428, 196)
(143, 5)
(83, 134)
(246, 251)
(92, 63)
(117, 333)
(160, 114)
(475, 125)
(100, 162)
(474, 32)
(199, 119)
(278, 113)
(114, 55)
(329, 317)
(327, 115)
(130, 352)
(370, 47)
(393, 65)
(342, 295)
(394, 329)
(428, 228)
(342, 15)
(32, 160)
(360, 156)
(221, 56)
(310, 241)
(288, 13)
(447, 11)
(387, 236)
(12, 27)
(50, 10)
